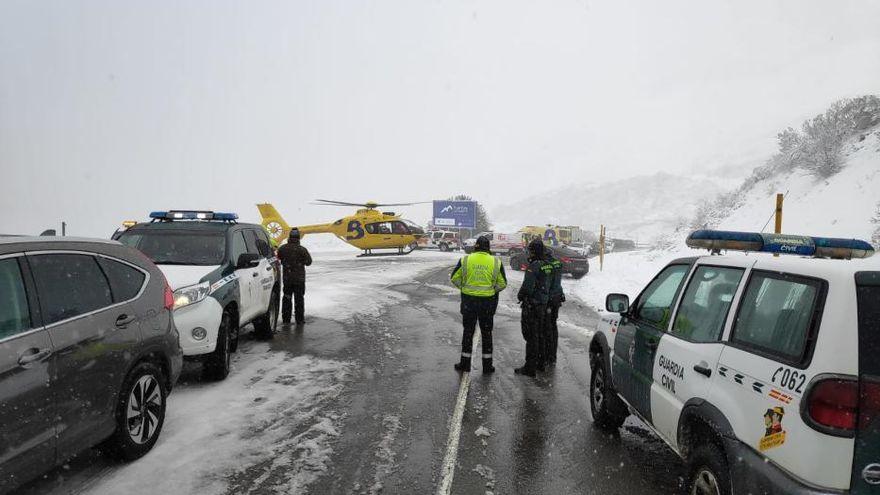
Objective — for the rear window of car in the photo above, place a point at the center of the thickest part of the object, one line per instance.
(125, 281)
(69, 285)
(778, 315)
(868, 294)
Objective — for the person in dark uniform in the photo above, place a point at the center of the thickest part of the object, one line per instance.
(533, 296)
(553, 270)
(480, 277)
(294, 260)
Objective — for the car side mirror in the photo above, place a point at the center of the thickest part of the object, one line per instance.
(247, 260)
(617, 303)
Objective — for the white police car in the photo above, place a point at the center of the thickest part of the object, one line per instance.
(224, 275)
(762, 372)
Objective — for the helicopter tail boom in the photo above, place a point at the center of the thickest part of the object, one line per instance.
(321, 228)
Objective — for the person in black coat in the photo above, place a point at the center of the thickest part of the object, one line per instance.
(294, 260)
(533, 296)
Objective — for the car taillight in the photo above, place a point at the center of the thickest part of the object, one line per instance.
(869, 404)
(566, 260)
(834, 403)
(169, 296)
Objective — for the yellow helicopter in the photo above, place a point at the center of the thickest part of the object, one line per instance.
(367, 229)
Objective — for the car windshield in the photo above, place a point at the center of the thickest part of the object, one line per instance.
(178, 247)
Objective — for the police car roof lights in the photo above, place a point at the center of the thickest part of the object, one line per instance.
(819, 247)
(171, 215)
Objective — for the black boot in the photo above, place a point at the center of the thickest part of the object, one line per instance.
(487, 366)
(464, 364)
(525, 370)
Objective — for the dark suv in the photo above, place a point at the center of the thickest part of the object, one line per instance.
(573, 262)
(88, 352)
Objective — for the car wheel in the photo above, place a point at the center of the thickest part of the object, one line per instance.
(444, 247)
(710, 474)
(578, 276)
(140, 412)
(218, 362)
(608, 410)
(265, 324)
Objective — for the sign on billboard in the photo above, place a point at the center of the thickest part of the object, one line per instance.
(460, 214)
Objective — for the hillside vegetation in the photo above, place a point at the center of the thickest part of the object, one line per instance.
(829, 172)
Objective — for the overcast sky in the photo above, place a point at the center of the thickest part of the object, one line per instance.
(109, 109)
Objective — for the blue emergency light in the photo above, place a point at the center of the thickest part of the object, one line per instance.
(172, 215)
(819, 247)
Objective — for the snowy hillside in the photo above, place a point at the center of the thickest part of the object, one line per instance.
(847, 204)
(840, 206)
(640, 208)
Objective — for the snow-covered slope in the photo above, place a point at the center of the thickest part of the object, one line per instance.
(640, 208)
(844, 205)
(841, 206)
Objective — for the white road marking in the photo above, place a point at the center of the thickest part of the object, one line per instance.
(448, 470)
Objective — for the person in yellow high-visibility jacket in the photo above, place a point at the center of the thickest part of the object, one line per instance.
(480, 276)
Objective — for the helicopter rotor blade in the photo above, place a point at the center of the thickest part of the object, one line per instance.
(327, 202)
(404, 204)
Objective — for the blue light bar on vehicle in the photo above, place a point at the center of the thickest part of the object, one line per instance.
(192, 215)
(819, 247)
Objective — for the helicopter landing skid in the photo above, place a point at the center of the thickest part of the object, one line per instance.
(368, 253)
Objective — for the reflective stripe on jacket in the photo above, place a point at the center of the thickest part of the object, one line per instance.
(479, 274)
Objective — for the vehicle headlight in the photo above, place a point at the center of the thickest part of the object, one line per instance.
(185, 296)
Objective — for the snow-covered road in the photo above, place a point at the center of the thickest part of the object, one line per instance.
(359, 400)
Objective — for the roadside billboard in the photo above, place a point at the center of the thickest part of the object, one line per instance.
(458, 214)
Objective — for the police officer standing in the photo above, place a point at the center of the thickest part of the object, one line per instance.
(533, 296)
(480, 276)
(553, 270)
(294, 260)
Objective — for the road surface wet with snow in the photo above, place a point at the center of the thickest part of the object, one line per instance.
(359, 401)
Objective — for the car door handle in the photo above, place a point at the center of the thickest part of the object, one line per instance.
(255, 274)
(703, 370)
(33, 354)
(652, 344)
(123, 320)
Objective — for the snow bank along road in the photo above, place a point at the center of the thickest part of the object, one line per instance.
(360, 401)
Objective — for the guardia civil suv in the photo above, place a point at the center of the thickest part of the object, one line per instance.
(224, 275)
(763, 372)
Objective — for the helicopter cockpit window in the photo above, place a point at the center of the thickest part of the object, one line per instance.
(413, 228)
(399, 228)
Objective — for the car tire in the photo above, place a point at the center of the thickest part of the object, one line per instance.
(265, 325)
(609, 412)
(444, 247)
(218, 362)
(140, 413)
(709, 472)
(578, 276)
